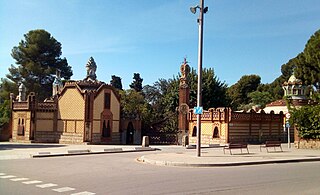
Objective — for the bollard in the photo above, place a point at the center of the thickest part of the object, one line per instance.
(185, 140)
(145, 141)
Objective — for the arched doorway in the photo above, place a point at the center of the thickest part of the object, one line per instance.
(106, 129)
(194, 131)
(216, 132)
(130, 133)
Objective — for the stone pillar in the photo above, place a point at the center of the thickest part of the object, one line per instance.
(184, 92)
(145, 141)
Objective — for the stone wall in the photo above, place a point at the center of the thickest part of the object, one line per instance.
(307, 144)
(206, 140)
(47, 137)
(71, 138)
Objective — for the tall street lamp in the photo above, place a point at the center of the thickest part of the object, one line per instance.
(203, 10)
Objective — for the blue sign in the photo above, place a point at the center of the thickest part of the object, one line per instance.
(198, 110)
(288, 124)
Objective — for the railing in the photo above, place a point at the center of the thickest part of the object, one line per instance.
(20, 105)
(47, 106)
(162, 138)
(43, 106)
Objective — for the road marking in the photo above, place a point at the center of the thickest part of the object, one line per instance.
(64, 189)
(32, 182)
(19, 179)
(84, 193)
(47, 185)
(7, 176)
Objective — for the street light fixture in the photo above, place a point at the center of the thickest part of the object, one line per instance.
(194, 9)
(199, 90)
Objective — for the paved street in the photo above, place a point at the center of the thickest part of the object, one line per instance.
(122, 174)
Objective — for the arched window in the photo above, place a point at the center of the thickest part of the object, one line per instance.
(21, 127)
(216, 132)
(130, 133)
(194, 131)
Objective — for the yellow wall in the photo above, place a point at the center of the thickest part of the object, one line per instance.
(61, 125)
(96, 127)
(71, 105)
(79, 126)
(115, 126)
(71, 127)
(44, 125)
(45, 121)
(98, 108)
(45, 115)
(207, 128)
(25, 115)
(115, 107)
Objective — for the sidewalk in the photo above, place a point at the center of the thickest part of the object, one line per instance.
(11, 150)
(214, 157)
(165, 155)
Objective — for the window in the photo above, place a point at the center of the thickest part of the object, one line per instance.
(194, 131)
(216, 132)
(21, 127)
(294, 92)
(107, 99)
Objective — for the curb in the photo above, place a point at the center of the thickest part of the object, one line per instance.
(88, 152)
(227, 164)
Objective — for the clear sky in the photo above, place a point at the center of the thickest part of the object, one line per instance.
(152, 37)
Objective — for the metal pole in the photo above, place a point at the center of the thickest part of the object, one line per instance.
(289, 145)
(199, 92)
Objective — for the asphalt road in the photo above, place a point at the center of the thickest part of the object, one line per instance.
(122, 174)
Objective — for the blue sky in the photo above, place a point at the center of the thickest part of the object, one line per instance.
(152, 37)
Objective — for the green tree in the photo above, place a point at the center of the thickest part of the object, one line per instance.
(6, 87)
(163, 98)
(136, 83)
(116, 82)
(306, 120)
(37, 59)
(132, 103)
(4, 112)
(308, 66)
(238, 93)
(214, 91)
(260, 98)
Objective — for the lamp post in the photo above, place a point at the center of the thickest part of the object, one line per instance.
(199, 86)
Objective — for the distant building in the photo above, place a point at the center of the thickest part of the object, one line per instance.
(295, 92)
(85, 111)
(222, 125)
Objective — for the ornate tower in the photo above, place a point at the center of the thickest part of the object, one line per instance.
(22, 93)
(294, 88)
(184, 92)
(91, 67)
(57, 84)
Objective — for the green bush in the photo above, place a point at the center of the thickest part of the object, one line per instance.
(4, 113)
(307, 121)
